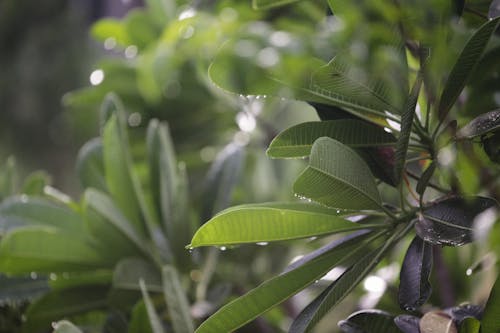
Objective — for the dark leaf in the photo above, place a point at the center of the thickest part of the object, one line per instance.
(491, 146)
(414, 286)
(22, 288)
(483, 124)
(491, 319)
(331, 112)
(381, 162)
(425, 178)
(459, 7)
(407, 323)
(450, 221)
(459, 313)
(369, 321)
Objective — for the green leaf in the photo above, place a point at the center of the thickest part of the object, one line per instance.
(90, 165)
(47, 249)
(469, 325)
(139, 323)
(425, 178)
(276, 290)
(154, 320)
(298, 140)
(63, 303)
(373, 321)
(20, 211)
(129, 271)
(338, 177)
(21, 288)
(107, 223)
(338, 290)
(162, 11)
(8, 178)
(491, 321)
(272, 222)
(465, 64)
(110, 28)
(65, 326)
(481, 125)
(177, 303)
(267, 4)
(35, 183)
(406, 126)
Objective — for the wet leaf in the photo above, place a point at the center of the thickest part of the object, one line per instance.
(450, 221)
(461, 312)
(407, 323)
(481, 125)
(414, 285)
(369, 321)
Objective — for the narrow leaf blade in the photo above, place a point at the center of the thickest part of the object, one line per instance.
(373, 321)
(491, 320)
(177, 303)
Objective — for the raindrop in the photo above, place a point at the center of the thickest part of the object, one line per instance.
(131, 52)
(262, 243)
(134, 119)
(188, 13)
(268, 57)
(53, 276)
(110, 43)
(96, 77)
(223, 248)
(280, 38)
(468, 272)
(33, 275)
(187, 32)
(24, 198)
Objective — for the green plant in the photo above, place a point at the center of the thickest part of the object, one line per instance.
(376, 165)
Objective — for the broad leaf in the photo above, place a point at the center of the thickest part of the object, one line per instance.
(372, 321)
(338, 177)
(90, 165)
(177, 303)
(154, 320)
(450, 221)
(414, 285)
(297, 141)
(65, 326)
(63, 303)
(129, 271)
(338, 290)
(406, 126)
(274, 291)
(272, 222)
(21, 211)
(47, 249)
(491, 321)
(407, 323)
(464, 66)
(267, 4)
(481, 125)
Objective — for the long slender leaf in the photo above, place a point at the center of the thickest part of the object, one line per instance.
(414, 285)
(339, 289)
(483, 124)
(425, 178)
(129, 271)
(491, 321)
(338, 177)
(274, 291)
(46, 249)
(271, 222)
(177, 303)
(373, 321)
(406, 125)
(139, 321)
(465, 64)
(154, 320)
(297, 141)
(90, 165)
(267, 4)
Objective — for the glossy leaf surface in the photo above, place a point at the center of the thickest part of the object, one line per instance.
(65, 326)
(372, 321)
(407, 323)
(450, 221)
(483, 124)
(414, 285)
(271, 222)
(296, 141)
(338, 177)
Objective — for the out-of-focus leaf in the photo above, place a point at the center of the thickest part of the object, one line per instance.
(267, 4)
(20, 211)
(297, 141)
(469, 325)
(110, 28)
(139, 323)
(162, 11)
(274, 291)
(414, 285)
(491, 320)
(464, 66)
(63, 303)
(177, 303)
(154, 320)
(35, 183)
(406, 126)
(68, 280)
(461, 312)
(8, 178)
(47, 249)
(22, 288)
(425, 178)
(129, 271)
(481, 125)
(139, 28)
(436, 321)
(491, 146)
(450, 221)
(90, 165)
(338, 177)
(494, 10)
(372, 321)
(65, 326)
(272, 222)
(407, 323)
(338, 290)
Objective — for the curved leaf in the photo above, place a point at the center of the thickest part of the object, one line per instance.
(274, 291)
(154, 319)
(450, 221)
(483, 124)
(65, 326)
(129, 271)
(470, 325)
(407, 323)
(177, 303)
(296, 141)
(267, 4)
(491, 321)
(90, 165)
(414, 285)
(338, 177)
(369, 321)
(464, 66)
(272, 222)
